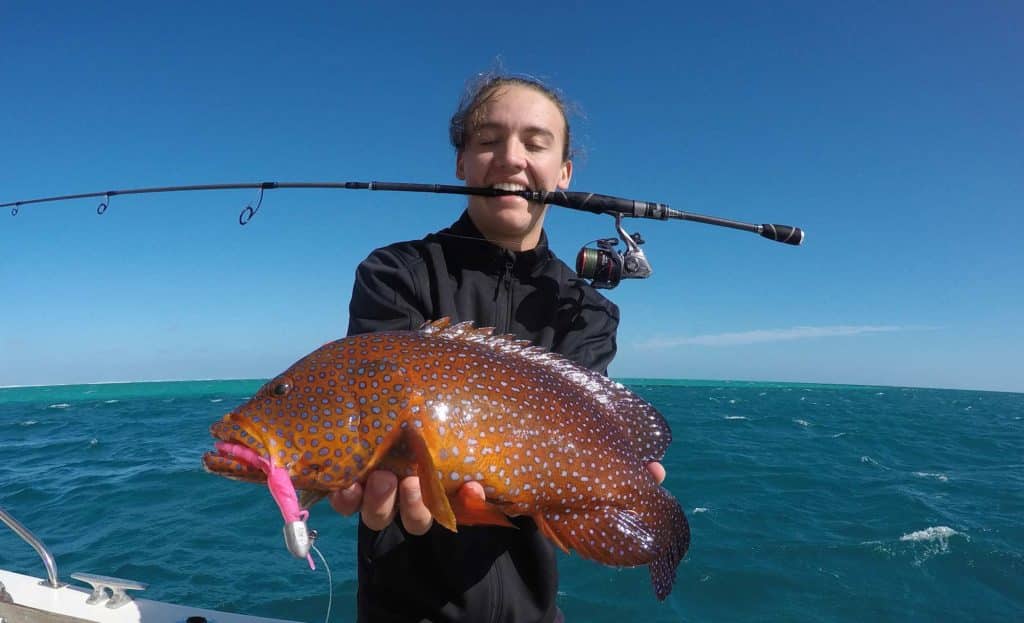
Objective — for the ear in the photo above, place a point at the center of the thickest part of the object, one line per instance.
(565, 176)
(460, 169)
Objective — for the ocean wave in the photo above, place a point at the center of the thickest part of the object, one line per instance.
(871, 461)
(940, 534)
(935, 475)
(110, 402)
(699, 509)
(735, 417)
(930, 542)
(28, 422)
(838, 435)
(216, 400)
(802, 422)
(59, 405)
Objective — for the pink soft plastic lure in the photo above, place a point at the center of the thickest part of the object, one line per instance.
(278, 481)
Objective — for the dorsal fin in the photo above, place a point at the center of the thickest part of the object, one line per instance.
(643, 427)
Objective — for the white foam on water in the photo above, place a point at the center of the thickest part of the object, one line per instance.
(700, 509)
(28, 422)
(880, 394)
(802, 422)
(732, 401)
(935, 475)
(871, 461)
(934, 533)
(93, 441)
(59, 405)
(110, 402)
(735, 417)
(216, 400)
(838, 435)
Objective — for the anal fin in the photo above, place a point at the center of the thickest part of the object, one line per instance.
(309, 497)
(548, 531)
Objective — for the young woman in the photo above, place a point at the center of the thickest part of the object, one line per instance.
(494, 267)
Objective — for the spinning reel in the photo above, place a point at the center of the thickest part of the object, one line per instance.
(605, 266)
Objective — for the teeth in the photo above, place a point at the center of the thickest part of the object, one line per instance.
(509, 186)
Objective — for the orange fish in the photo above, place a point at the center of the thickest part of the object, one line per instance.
(545, 437)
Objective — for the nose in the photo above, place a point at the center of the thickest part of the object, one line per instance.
(512, 155)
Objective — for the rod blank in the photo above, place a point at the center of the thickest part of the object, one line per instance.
(587, 202)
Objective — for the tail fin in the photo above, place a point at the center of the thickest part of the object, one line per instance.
(663, 568)
(657, 535)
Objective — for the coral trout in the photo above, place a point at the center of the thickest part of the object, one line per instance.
(452, 403)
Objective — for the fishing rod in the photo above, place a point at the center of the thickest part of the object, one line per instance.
(602, 264)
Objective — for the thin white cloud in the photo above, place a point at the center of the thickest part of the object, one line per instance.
(761, 336)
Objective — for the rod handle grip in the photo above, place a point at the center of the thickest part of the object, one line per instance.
(783, 233)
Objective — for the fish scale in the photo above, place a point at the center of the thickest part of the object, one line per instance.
(452, 403)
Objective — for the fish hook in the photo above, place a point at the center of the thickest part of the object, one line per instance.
(248, 212)
(102, 207)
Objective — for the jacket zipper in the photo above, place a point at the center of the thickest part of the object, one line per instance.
(506, 281)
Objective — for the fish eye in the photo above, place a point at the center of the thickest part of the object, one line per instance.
(281, 388)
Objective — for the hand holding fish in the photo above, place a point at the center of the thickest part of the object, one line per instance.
(377, 505)
(384, 497)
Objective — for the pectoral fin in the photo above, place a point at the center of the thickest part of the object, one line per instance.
(474, 511)
(434, 497)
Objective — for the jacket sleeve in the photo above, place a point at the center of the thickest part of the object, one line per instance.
(592, 343)
(385, 296)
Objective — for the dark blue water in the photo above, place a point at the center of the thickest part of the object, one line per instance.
(809, 503)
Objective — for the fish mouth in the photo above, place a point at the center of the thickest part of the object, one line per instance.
(237, 453)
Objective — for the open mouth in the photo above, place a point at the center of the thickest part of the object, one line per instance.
(235, 453)
(509, 186)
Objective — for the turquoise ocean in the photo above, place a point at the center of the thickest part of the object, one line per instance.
(806, 503)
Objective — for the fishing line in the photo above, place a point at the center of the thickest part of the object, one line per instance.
(330, 584)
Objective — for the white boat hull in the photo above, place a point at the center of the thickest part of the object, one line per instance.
(32, 600)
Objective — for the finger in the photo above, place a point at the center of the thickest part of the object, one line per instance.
(415, 515)
(378, 508)
(473, 489)
(657, 470)
(347, 501)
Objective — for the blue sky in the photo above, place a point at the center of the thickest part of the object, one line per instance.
(891, 134)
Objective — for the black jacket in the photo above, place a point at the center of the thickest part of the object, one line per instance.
(480, 573)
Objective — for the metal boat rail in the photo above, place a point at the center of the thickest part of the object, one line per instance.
(33, 540)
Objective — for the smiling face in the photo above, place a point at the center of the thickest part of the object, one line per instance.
(516, 142)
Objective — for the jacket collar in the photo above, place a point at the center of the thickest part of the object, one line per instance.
(477, 251)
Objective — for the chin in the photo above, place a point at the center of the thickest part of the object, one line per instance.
(509, 220)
